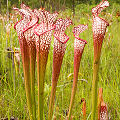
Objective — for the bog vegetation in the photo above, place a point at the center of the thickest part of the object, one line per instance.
(12, 89)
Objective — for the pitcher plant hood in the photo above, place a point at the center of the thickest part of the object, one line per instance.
(60, 26)
(79, 45)
(46, 21)
(60, 39)
(99, 26)
(44, 29)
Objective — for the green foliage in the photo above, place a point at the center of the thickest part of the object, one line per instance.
(12, 94)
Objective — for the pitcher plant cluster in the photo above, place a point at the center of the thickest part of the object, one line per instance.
(34, 31)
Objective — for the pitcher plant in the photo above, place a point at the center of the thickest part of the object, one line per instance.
(99, 28)
(79, 45)
(60, 39)
(44, 31)
(25, 52)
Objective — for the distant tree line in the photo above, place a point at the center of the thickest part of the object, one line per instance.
(51, 5)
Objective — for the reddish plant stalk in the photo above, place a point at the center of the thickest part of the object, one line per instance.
(44, 31)
(57, 61)
(32, 76)
(79, 45)
(60, 40)
(83, 108)
(26, 66)
(19, 26)
(99, 27)
(43, 56)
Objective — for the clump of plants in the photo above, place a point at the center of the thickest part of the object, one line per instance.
(34, 32)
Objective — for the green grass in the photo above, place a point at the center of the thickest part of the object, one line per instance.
(12, 91)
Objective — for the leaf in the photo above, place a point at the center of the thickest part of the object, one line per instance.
(71, 75)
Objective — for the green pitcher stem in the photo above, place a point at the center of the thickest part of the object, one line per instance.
(28, 91)
(38, 78)
(94, 89)
(41, 66)
(77, 59)
(41, 96)
(52, 98)
(32, 78)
